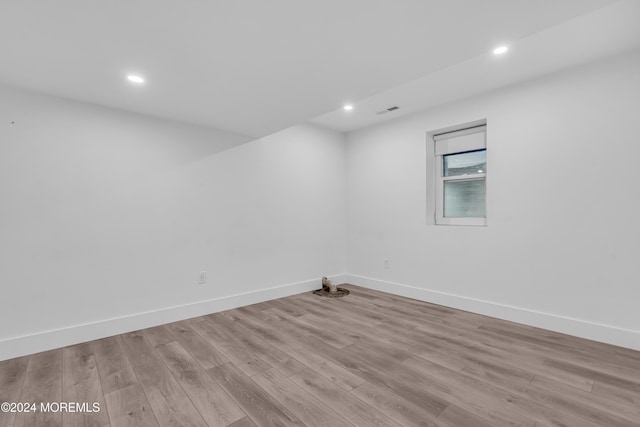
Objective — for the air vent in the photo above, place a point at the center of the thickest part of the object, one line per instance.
(388, 110)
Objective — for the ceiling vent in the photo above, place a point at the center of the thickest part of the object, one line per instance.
(388, 110)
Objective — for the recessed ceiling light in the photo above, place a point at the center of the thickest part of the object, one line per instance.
(135, 79)
(500, 50)
(348, 107)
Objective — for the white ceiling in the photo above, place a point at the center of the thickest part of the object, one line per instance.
(598, 34)
(256, 66)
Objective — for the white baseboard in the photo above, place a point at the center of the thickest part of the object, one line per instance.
(581, 328)
(48, 340)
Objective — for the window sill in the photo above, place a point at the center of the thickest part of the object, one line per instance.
(478, 222)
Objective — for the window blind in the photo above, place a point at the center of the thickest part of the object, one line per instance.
(460, 141)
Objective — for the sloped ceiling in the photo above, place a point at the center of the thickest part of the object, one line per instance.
(254, 67)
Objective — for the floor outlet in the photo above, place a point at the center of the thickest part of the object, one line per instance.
(203, 277)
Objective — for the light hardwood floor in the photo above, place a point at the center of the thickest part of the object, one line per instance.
(369, 359)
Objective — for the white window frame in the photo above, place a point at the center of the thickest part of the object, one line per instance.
(460, 139)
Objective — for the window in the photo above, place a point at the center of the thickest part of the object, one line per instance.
(461, 176)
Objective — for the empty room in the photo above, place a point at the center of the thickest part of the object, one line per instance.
(319, 213)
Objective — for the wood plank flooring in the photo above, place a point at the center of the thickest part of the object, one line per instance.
(369, 359)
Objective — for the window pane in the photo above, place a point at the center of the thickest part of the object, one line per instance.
(465, 199)
(465, 163)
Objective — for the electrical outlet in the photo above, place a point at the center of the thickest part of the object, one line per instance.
(386, 263)
(203, 278)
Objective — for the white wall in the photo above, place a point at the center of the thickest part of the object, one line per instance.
(106, 219)
(562, 245)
